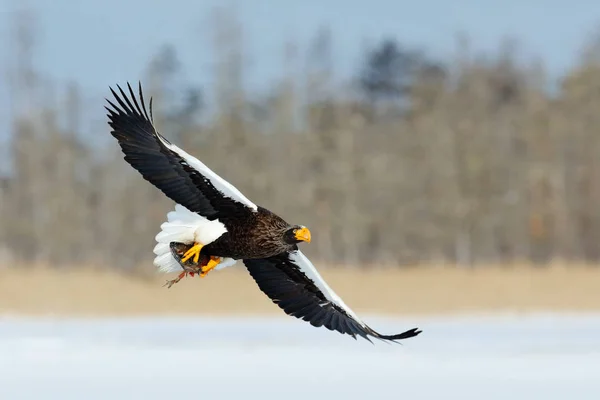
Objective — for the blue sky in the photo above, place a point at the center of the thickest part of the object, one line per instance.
(97, 43)
(100, 43)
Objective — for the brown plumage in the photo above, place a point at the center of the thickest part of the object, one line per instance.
(258, 235)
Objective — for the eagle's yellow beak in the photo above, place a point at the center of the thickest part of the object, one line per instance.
(303, 234)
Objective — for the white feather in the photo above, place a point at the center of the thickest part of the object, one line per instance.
(184, 226)
(306, 266)
(226, 262)
(221, 184)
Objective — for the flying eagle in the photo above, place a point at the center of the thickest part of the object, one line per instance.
(213, 225)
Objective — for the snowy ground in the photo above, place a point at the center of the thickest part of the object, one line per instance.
(506, 357)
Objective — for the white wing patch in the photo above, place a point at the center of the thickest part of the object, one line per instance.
(221, 184)
(304, 264)
(186, 227)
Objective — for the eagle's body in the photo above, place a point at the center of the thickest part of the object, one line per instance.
(217, 225)
(255, 236)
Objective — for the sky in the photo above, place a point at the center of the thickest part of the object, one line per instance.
(100, 43)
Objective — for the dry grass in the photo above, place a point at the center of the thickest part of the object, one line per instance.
(391, 291)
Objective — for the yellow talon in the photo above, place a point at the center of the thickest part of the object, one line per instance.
(194, 251)
(214, 261)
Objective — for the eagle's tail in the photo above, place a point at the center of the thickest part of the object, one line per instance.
(184, 226)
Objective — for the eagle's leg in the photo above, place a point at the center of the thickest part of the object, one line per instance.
(193, 251)
(212, 263)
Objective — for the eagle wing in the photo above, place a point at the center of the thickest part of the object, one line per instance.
(292, 282)
(180, 176)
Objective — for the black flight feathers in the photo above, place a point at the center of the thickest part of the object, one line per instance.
(287, 286)
(161, 165)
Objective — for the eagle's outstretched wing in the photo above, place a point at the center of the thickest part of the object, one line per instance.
(292, 282)
(180, 176)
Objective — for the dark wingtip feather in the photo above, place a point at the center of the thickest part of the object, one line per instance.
(404, 335)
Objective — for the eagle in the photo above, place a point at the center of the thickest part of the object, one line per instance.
(213, 225)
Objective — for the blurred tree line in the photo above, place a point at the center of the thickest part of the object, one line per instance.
(470, 160)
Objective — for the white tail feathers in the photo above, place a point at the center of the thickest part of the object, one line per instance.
(186, 227)
(164, 260)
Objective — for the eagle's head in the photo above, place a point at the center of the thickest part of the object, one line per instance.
(296, 234)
